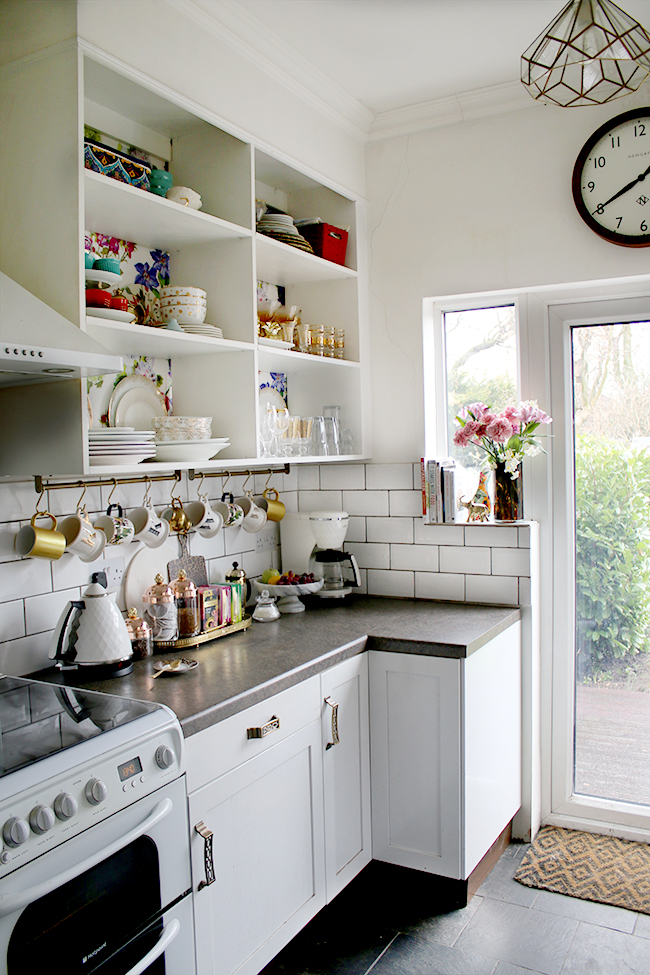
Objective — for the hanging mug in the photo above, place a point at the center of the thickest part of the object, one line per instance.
(40, 543)
(254, 517)
(150, 528)
(207, 521)
(275, 509)
(81, 538)
(117, 528)
(235, 514)
(176, 516)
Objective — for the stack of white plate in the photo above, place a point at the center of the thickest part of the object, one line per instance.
(190, 451)
(281, 227)
(208, 331)
(120, 445)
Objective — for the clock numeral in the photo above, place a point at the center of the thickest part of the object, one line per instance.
(600, 209)
(643, 227)
(639, 129)
(591, 186)
(619, 222)
(616, 141)
(599, 162)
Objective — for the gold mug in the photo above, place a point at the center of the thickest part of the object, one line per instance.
(275, 510)
(40, 543)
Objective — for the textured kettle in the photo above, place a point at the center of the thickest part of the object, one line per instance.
(91, 631)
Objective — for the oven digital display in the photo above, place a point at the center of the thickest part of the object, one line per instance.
(128, 769)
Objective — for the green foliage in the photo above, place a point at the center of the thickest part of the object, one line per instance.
(463, 388)
(612, 554)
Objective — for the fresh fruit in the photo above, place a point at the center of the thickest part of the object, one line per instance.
(274, 578)
(291, 579)
(266, 575)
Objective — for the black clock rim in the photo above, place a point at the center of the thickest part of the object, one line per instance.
(625, 240)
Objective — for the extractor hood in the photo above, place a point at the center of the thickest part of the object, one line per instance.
(38, 345)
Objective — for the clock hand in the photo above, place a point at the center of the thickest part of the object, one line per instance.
(629, 186)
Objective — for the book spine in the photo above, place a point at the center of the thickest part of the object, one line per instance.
(435, 498)
(423, 485)
(449, 494)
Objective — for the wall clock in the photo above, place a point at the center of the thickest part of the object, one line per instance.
(611, 180)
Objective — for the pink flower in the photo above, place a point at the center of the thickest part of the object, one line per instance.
(499, 430)
(461, 437)
(512, 415)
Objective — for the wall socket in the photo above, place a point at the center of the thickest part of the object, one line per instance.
(112, 569)
(267, 539)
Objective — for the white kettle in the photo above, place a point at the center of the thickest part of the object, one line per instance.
(91, 633)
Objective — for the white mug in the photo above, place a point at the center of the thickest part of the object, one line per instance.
(81, 538)
(117, 528)
(205, 521)
(150, 528)
(254, 517)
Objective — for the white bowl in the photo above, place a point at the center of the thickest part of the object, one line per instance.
(288, 601)
(182, 428)
(164, 302)
(184, 314)
(194, 452)
(182, 291)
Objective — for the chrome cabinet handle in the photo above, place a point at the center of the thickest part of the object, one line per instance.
(206, 833)
(266, 729)
(335, 723)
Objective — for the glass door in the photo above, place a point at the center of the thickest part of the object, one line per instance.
(601, 482)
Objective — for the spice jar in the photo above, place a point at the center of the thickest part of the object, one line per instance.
(140, 635)
(187, 605)
(160, 612)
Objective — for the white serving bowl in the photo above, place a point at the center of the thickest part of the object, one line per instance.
(195, 451)
(179, 428)
(184, 314)
(182, 291)
(287, 596)
(165, 302)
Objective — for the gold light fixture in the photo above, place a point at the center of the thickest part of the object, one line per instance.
(590, 54)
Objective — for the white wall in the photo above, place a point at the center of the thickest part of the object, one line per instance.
(477, 206)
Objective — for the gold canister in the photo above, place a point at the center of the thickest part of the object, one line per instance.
(140, 635)
(187, 605)
(40, 543)
(160, 611)
(275, 510)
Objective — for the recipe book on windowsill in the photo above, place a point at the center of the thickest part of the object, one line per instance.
(438, 480)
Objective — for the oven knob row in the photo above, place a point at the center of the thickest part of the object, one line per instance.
(65, 806)
(95, 791)
(15, 832)
(41, 818)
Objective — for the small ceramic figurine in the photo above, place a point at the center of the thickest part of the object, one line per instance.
(478, 509)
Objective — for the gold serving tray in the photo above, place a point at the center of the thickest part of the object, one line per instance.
(194, 641)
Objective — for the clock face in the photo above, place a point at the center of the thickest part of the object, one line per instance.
(611, 180)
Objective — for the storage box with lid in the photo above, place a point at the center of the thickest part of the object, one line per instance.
(327, 241)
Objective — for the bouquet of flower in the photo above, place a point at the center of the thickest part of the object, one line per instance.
(506, 437)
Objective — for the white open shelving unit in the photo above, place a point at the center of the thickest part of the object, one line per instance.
(215, 248)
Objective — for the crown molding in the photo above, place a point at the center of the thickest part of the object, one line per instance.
(434, 114)
(232, 23)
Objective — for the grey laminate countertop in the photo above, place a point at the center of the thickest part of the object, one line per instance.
(239, 670)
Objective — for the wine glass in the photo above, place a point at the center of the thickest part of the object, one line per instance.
(279, 423)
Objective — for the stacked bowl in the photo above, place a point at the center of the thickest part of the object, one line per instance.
(187, 305)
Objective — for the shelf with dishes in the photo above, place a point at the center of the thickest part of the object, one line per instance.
(129, 338)
(286, 265)
(271, 359)
(120, 210)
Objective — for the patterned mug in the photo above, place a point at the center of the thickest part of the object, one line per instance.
(117, 528)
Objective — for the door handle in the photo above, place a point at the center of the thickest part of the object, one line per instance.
(169, 932)
(335, 723)
(266, 729)
(208, 860)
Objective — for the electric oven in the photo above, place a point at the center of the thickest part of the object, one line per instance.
(95, 860)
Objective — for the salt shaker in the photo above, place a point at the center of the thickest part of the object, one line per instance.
(160, 611)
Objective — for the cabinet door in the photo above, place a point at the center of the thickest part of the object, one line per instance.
(266, 817)
(346, 772)
(415, 746)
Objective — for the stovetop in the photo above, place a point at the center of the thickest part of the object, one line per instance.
(38, 720)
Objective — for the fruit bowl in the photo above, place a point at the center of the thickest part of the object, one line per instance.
(288, 601)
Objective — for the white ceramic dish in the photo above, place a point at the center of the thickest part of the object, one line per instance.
(184, 314)
(271, 397)
(275, 343)
(182, 428)
(194, 451)
(181, 291)
(151, 395)
(179, 666)
(210, 440)
(97, 459)
(113, 314)
(287, 596)
(174, 300)
(138, 406)
(142, 571)
(102, 277)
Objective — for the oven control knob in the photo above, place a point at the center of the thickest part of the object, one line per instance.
(41, 818)
(65, 806)
(164, 756)
(15, 831)
(96, 791)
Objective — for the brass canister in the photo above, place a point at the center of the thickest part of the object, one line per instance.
(140, 635)
(160, 611)
(187, 605)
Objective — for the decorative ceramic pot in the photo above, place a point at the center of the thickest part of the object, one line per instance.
(508, 495)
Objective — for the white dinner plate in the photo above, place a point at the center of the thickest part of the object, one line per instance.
(194, 451)
(114, 314)
(139, 406)
(149, 394)
(102, 277)
(97, 459)
(271, 397)
(112, 432)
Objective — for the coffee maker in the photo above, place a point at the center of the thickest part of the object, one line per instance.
(312, 541)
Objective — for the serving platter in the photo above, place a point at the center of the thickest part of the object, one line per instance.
(140, 409)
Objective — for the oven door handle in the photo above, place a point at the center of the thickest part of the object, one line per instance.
(16, 901)
(169, 932)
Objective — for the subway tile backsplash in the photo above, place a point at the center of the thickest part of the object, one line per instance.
(398, 554)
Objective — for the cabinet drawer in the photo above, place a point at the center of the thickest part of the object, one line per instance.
(227, 744)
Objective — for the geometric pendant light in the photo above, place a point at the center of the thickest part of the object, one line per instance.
(590, 54)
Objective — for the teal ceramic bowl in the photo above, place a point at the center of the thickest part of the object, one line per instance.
(160, 181)
(89, 259)
(107, 264)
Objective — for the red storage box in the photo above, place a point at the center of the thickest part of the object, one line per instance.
(328, 241)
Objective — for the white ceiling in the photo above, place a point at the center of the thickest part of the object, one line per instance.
(385, 55)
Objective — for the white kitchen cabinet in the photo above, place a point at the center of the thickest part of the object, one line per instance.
(346, 771)
(54, 200)
(446, 754)
(266, 816)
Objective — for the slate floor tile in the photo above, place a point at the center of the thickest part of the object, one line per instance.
(642, 927)
(501, 885)
(444, 929)
(503, 968)
(589, 911)
(519, 935)
(601, 951)
(412, 956)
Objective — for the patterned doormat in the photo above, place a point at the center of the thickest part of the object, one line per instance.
(590, 867)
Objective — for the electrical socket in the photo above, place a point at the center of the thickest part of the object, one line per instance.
(267, 539)
(114, 570)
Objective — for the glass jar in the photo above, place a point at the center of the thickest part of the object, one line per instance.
(187, 605)
(140, 635)
(328, 341)
(339, 343)
(317, 340)
(160, 612)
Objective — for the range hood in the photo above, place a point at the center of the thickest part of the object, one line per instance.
(38, 345)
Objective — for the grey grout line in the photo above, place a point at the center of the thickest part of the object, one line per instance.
(382, 953)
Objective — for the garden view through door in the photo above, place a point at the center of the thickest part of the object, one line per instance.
(611, 442)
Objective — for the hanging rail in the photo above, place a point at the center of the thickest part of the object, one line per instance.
(40, 484)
